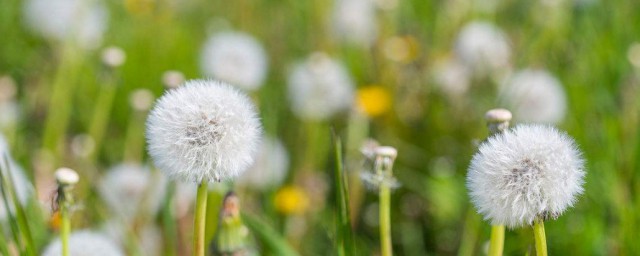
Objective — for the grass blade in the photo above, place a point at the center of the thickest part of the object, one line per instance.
(344, 235)
(269, 236)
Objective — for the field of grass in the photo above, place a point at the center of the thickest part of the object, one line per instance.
(62, 106)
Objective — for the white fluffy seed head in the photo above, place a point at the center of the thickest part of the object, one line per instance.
(270, 168)
(529, 172)
(535, 96)
(113, 56)
(354, 21)
(319, 87)
(483, 48)
(66, 176)
(203, 130)
(131, 189)
(85, 243)
(236, 58)
(84, 22)
(452, 77)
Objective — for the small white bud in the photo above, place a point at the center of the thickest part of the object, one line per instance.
(66, 176)
(113, 56)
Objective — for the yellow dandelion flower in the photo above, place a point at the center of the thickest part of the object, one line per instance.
(291, 200)
(374, 100)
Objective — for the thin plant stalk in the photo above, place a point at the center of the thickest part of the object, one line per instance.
(496, 246)
(540, 237)
(65, 230)
(200, 220)
(385, 220)
(170, 229)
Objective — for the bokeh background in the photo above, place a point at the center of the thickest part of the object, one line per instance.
(78, 78)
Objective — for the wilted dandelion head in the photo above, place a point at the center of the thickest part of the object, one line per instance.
(85, 243)
(319, 87)
(132, 189)
(535, 96)
(203, 130)
(483, 47)
(236, 58)
(354, 21)
(270, 168)
(84, 22)
(529, 172)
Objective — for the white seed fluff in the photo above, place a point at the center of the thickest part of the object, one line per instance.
(82, 21)
(85, 243)
(236, 58)
(529, 172)
(270, 168)
(203, 130)
(483, 47)
(131, 189)
(535, 96)
(319, 87)
(354, 21)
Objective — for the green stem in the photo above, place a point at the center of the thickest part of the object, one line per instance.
(385, 220)
(101, 114)
(541, 239)
(497, 240)
(200, 220)
(65, 230)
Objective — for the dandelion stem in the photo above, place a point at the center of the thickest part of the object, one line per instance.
(200, 220)
(497, 240)
(541, 239)
(65, 229)
(385, 220)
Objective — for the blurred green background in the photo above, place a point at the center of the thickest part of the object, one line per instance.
(592, 47)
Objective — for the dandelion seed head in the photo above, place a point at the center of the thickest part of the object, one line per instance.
(452, 77)
(319, 87)
(529, 172)
(203, 130)
(483, 47)
(130, 189)
(113, 56)
(85, 243)
(82, 21)
(236, 58)
(535, 96)
(354, 21)
(270, 168)
(141, 99)
(172, 78)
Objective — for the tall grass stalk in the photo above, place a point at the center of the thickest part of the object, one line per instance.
(25, 231)
(496, 245)
(344, 233)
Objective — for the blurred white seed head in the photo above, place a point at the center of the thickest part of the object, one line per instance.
(483, 48)
(535, 96)
(141, 99)
(82, 145)
(113, 56)
(8, 89)
(236, 58)
(149, 237)
(10, 113)
(452, 77)
(131, 189)
(633, 54)
(172, 79)
(203, 130)
(85, 243)
(354, 21)
(270, 168)
(319, 87)
(529, 172)
(83, 22)
(66, 176)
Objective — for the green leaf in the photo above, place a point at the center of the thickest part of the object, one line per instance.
(268, 236)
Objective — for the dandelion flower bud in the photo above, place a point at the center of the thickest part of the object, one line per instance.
(386, 151)
(113, 56)
(529, 172)
(236, 58)
(66, 176)
(498, 119)
(319, 87)
(535, 96)
(203, 130)
(85, 243)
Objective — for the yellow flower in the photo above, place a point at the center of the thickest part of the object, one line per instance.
(402, 49)
(374, 100)
(291, 200)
